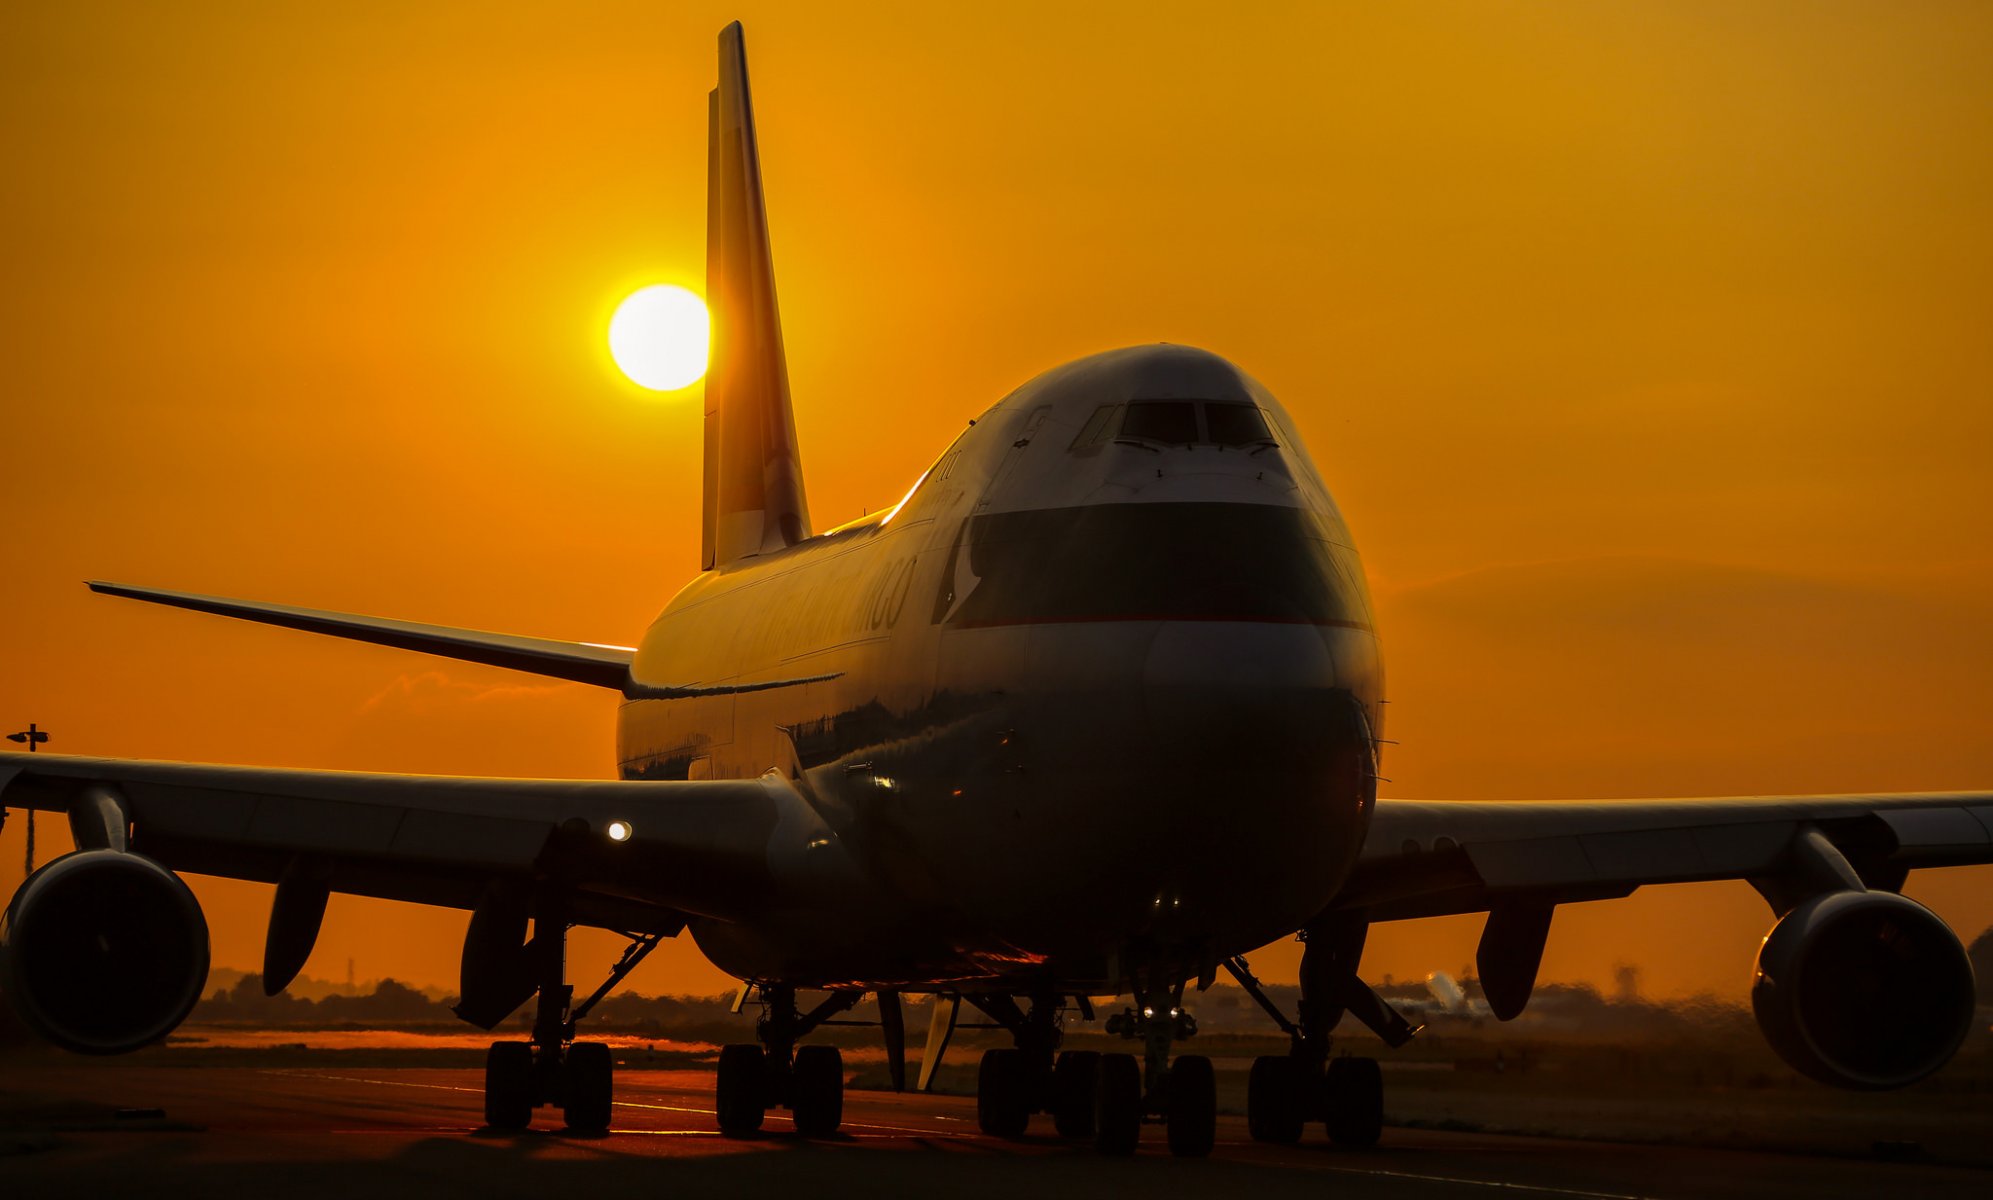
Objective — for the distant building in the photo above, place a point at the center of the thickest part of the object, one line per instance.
(1626, 983)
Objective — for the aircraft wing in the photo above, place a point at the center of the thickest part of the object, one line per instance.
(1424, 858)
(693, 847)
(581, 662)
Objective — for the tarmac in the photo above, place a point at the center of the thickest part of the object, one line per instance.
(374, 1134)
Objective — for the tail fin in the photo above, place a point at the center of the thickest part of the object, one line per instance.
(754, 469)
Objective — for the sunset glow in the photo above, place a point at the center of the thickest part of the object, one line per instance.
(1643, 348)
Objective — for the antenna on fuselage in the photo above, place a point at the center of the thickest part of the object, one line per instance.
(754, 500)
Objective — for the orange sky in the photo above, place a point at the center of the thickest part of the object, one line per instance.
(1645, 347)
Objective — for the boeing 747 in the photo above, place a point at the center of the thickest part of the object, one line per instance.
(1093, 710)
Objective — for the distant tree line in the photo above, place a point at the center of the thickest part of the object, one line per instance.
(391, 1001)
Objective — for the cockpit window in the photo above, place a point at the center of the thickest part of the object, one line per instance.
(1098, 428)
(1237, 425)
(1170, 422)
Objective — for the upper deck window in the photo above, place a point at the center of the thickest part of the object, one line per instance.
(1237, 425)
(1170, 422)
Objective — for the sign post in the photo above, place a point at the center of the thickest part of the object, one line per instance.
(34, 737)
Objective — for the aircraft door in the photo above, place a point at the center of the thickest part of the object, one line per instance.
(1021, 439)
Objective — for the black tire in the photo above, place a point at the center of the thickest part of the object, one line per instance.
(591, 1087)
(1276, 1093)
(1075, 1075)
(741, 1089)
(1003, 1102)
(1117, 1105)
(1193, 1106)
(508, 1085)
(817, 1083)
(1355, 1103)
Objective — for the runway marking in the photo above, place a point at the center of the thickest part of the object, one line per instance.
(409, 1130)
(1533, 1188)
(446, 1087)
(1410, 1176)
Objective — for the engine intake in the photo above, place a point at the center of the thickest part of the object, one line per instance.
(102, 952)
(1863, 990)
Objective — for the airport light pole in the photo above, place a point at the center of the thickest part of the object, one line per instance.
(34, 737)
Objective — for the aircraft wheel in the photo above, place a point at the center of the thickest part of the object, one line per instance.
(1117, 1105)
(741, 1089)
(1355, 1095)
(591, 1086)
(1274, 1100)
(1003, 1102)
(508, 1085)
(1193, 1106)
(818, 1099)
(1074, 1076)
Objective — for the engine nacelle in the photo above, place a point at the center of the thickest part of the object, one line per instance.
(102, 952)
(1863, 990)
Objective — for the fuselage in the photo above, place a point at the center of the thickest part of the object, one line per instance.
(1104, 694)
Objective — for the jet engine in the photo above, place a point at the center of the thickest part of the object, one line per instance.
(102, 951)
(1863, 990)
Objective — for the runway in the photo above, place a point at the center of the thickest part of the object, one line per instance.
(371, 1134)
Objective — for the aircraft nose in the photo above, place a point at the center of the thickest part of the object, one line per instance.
(1225, 655)
(1252, 688)
(1258, 757)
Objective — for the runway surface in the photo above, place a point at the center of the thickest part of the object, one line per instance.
(371, 1134)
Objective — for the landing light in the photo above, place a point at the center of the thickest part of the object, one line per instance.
(619, 831)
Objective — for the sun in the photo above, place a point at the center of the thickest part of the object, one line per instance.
(659, 337)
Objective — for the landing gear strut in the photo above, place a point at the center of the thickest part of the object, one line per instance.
(553, 1068)
(1285, 1092)
(1182, 1095)
(1017, 1081)
(807, 1080)
(1106, 1098)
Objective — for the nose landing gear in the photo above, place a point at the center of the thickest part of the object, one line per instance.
(1103, 1097)
(1181, 1095)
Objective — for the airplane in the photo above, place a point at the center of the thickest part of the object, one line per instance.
(1093, 710)
(1448, 996)
(1444, 998)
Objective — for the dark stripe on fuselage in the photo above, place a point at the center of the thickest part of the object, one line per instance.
(1148, 562)
(1158, 616)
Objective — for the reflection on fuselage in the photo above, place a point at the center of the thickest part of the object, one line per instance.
(1106, 677)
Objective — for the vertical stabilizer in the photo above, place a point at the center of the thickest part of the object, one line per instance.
(754, 468)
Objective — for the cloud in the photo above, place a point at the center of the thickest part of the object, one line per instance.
(430, 691)
(436, 722)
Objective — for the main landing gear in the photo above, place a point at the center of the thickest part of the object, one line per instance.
(553, 1068)
(1286, 1092)
(807, 1080)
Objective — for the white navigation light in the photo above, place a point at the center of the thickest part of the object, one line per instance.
(619, 831)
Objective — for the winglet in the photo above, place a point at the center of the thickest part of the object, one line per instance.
(754, 500)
